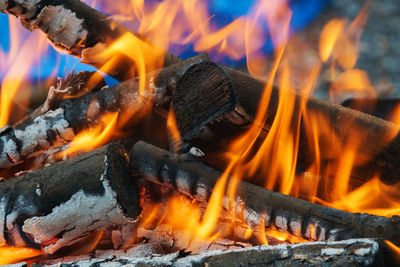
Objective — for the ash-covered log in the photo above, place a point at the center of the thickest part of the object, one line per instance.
(379, 150)
(353, 252)
(84, 32)
(60, 204)
(257, 206)
(70, 116)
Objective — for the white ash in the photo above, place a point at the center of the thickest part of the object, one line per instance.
(281, 222)
(149, 255)
(332, 251)
(38, 191)
(196, 152)
(159, 92)
(22, 206)
(322, 234)
(3, 208)
(295, 225)
(78, 216)
(363, 251)
(174, 240)
(29, 8)
(35, 134)
(9, 155)
(61, 25)
(333, 234)
(137, 251)
(182, 181)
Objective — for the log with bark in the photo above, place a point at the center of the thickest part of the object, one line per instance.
(70, 116)
(353, 252)
(59, 205)
(379, 150)
(86, 33)
(257, 206)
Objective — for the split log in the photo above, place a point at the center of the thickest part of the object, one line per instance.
(70, 116)
(353, 252)
(60, 204)
(83, 32)
(258, 206)
(379, 152)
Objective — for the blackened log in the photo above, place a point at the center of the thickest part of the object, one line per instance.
(72, 85)
(383, 108)
(60, 204)
(379, 152)
(70, 116)
(84, 32)
(258, 206)
(353, 252)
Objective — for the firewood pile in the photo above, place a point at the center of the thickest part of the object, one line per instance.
(111, 205)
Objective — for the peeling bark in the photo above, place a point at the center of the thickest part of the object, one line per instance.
(58, 205)
(84, 32)
(70, 116)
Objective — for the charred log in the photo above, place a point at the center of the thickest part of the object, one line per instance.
(72, 85)
(353, 252)
(379, 107)
(258, 206)
(58, 205)
(70, 116)
(230, 87)
(82, 31)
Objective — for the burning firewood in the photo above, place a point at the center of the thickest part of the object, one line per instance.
(70, 116)
(353, 252)
(60, 204)
(257, 206)
(240, 94)
(84, 32)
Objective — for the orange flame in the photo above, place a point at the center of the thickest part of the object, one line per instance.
(173, 129)
(395, 248)
(10, 255)
(94, 137)
(16, 66)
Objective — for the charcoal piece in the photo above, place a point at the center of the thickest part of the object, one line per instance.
(60, 204)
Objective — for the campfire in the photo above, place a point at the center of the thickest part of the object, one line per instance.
(154, 158)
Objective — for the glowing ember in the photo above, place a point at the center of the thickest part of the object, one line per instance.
(271, 160)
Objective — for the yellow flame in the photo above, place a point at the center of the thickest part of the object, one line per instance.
(10, 255)
(16, 66)
(94, 137)
(173, 129)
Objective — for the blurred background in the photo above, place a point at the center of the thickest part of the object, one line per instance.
(379, 49)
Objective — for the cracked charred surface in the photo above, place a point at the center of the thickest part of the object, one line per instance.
(58, 205)
(381, 155)
(70, 116)
(353, 252)
(82, 31)
(258, 206)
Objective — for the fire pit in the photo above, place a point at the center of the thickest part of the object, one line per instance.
(181, 162)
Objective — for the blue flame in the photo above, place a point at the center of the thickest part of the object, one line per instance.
(225, 11)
